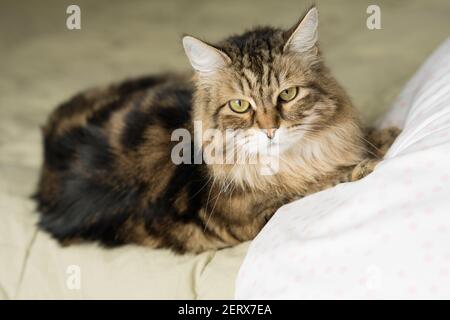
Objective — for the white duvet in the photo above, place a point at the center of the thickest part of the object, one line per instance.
(386, 236)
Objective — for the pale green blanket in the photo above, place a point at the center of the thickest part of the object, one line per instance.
(42, 63)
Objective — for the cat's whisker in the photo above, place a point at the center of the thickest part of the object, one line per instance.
(199, 190)
(324, 126)
(221, 190)
(212, 211)
(370, 143)
(209, 193)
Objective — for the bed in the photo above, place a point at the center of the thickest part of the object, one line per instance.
(43, 63)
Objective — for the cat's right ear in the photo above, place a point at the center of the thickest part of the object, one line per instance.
(203, 57)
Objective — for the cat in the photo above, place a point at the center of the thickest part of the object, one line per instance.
(108, 174)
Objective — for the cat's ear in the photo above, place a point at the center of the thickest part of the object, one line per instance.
(303, 36)
(203, 57)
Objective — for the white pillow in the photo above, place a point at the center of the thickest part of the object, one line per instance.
(386, 236)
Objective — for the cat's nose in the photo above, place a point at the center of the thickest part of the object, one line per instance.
(270, 132)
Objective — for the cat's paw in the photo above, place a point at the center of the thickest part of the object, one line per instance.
(363, 168)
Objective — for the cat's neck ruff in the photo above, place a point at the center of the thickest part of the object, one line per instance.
(296, 168)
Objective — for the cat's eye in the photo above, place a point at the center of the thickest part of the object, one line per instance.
(288, 94)
(239, 105)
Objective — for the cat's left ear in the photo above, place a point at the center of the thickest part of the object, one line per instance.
(203, 57)
(303, 36)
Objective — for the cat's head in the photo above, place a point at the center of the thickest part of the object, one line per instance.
(271, 86)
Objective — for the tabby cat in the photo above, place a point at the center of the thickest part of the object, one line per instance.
(109, 175)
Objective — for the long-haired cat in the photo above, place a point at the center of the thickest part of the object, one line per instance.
(109, 175)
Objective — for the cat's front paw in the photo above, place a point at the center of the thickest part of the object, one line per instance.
(363, 168)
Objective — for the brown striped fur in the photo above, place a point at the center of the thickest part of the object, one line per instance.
(108, 175)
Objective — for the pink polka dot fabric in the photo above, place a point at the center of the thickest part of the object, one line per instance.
(386, 236)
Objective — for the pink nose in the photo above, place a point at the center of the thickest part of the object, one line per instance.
(270, 132)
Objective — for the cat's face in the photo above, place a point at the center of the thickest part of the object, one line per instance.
(268, 85)
(270, 105)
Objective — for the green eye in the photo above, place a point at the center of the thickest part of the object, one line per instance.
(238, 105)
(288, 94)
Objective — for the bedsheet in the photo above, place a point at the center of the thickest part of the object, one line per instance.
(386, 236)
